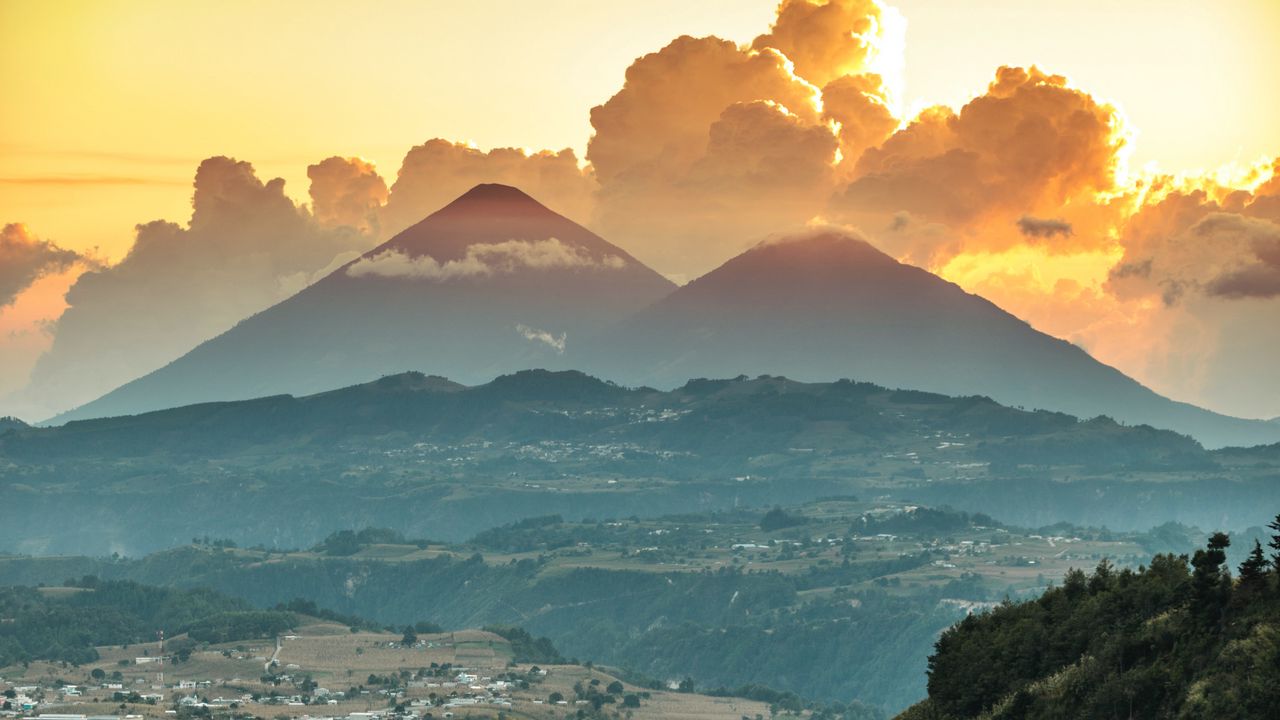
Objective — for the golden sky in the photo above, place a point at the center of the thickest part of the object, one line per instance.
(111, 104)
(1103, 170)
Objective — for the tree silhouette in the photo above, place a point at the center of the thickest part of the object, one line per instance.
(1253, 571)
(1210, 583)
(1274, 544)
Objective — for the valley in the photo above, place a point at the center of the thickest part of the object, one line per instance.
(835, 599)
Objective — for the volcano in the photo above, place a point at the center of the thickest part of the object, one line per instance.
(825, 305)
(492, 283)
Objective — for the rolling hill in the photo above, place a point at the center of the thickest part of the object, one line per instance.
(428, 456)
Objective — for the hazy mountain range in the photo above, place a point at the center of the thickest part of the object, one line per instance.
(430, 457)
(495, 282)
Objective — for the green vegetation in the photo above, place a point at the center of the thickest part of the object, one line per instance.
(423, 458)
(527, 648)
(66, 624)
(1177, 639)
(231, 626)
(349, 542)
(778, 519)
(843, 601)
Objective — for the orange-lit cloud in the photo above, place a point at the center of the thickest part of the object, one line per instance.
(346, 191)
(710, 146)
(25, 258)
(706, 148)
(1190, 241)
(436, 172)
(1032, 146)
(858, 106)
(825, 39)
(246, 247)
(34, 274)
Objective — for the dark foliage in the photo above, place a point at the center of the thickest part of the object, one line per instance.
(1178, 639)
(527, 648)
(68, 624)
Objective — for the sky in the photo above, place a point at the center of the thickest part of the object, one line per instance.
(113, 104)
(111, 107)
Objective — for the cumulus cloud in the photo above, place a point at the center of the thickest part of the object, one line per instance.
(1030, 146)
(1034, 227)
(827, 39)
(24, 258)
(484, 260)
(1257, 243)
(858, 107)
(346, 191)
(241, 252)
(1211, 241)
(436, 172)
(553, 341)
(706, 148)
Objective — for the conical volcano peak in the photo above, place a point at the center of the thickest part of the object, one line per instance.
(821, 245)
(494, 196)
(490, 213)
(806, 262)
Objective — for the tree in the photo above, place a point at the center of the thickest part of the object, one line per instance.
(555, 697)
(1210, 584)
(1274, 543)
(1253, 571)
(614, 688)
(98, 674)
(686, 685)
(777, 519)
(410, 637)
(631, 700)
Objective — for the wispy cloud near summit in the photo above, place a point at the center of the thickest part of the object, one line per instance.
(484, 260)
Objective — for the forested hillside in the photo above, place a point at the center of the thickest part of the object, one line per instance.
(1177, 639)
(835, 600)
(431, 458)
(67, 623)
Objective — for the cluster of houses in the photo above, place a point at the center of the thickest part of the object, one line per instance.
(461, 690)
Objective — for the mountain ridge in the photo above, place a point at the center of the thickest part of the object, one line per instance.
(412, 401)
(426, 455)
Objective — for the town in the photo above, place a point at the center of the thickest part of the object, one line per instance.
(325, 671)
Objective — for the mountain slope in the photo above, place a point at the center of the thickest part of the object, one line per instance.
(827, 305)
(1168, 641)
(492, 283)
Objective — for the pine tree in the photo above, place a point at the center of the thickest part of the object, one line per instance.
(1210, 583)
(1275, 542)
(1253, 571)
